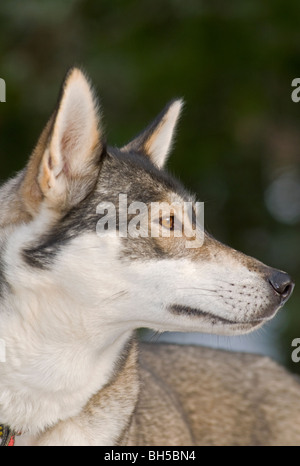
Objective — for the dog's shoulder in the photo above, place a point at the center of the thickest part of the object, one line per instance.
(224, 395)
(160, 357)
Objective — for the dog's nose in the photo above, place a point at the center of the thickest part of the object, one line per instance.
(282, 284)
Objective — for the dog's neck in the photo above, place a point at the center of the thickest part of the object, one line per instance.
(106, 417)
(32, 406)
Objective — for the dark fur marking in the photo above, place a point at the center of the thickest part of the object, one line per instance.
(186, 310)
(178, 309)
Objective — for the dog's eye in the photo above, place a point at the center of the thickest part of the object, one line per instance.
(167, 222)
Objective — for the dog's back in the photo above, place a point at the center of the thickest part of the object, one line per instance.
(201, 396)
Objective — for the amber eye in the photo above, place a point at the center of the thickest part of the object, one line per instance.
(168, 222)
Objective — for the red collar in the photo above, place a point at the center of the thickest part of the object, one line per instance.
(7, 437)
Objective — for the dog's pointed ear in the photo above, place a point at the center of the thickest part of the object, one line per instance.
(157, 139)
(65, 164)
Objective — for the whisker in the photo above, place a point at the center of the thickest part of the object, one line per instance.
(198, 288)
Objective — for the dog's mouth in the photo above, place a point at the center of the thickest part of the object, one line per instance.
(214, 319)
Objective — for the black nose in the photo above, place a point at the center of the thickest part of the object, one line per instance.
(282, 284)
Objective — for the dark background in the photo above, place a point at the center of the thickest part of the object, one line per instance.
(233, 62)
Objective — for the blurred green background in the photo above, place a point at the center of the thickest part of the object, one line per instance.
(233, 62)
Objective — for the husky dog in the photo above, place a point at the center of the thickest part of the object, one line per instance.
(71, 301)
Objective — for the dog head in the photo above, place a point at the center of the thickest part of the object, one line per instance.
(56, 267)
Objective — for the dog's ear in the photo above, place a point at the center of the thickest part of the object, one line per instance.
(65, 163)
(157, 139)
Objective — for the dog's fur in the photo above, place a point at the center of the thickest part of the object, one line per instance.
(70, 303)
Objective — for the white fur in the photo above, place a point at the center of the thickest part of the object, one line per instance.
(59, 350)
(64, 328)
